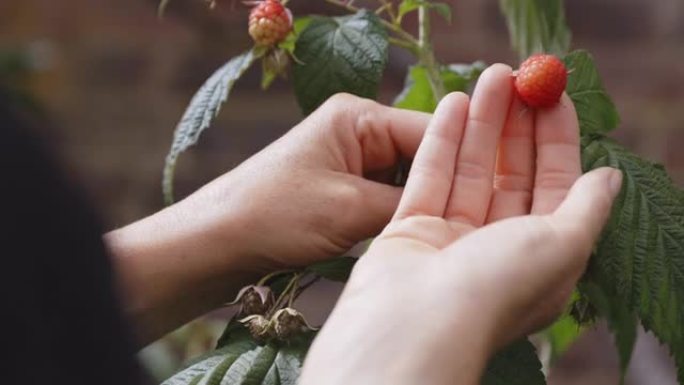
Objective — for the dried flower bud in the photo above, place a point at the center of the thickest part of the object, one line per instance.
(259, 327)
(254, 300)
(289, 322)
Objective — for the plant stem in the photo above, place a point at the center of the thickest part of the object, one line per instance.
(390, 10)
(266, 278)
(423, 26)
(293, 293)
(426, 56)
(303, 287)
(290, 286)
(404, 44)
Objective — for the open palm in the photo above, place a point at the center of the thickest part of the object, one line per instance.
(483, 160)
(486, 245)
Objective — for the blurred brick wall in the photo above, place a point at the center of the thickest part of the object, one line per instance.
(115, 80)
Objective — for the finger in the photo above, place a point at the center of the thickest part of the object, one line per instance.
(362, 136)
(472, 188)
(429, 182)
(374, 135)
(585, 210)
(558, 155)
(386, 133)
(372, 209)
(542, 254)
(514, 175)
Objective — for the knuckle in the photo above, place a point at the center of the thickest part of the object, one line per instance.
(556, 179)
(346, 106)
(342, 99)
(471, 169)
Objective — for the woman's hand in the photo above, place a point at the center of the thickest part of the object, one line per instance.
(317, 191)
(311, 195)
(486, 245)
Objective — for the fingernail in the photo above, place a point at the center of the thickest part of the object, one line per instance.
(615, 182)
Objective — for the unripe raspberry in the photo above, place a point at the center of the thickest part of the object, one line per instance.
(541, 80)
(269, 23)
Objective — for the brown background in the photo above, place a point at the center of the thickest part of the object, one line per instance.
(114, 80)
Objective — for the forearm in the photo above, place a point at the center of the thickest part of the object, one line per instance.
(170, 269)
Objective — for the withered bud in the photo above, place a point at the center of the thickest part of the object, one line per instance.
(259, 327)
(254, 300)
(289, 322)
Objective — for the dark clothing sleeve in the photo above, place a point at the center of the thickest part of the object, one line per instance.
(61, 323)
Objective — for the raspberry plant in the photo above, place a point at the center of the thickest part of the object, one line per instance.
(636, 274)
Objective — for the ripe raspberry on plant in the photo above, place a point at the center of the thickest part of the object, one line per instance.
(541, 80)
(269, 22)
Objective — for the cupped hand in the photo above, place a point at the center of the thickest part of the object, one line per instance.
(490, 236)
(491, 159)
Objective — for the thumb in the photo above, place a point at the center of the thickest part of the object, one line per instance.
(373, 211)
(588, 204)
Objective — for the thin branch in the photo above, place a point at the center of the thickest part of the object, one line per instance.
(268, 277)
(403, 44)
(423, 26)
(382, 9)
(290, 285)
(390, 10)
(427, 56)
(304, 287)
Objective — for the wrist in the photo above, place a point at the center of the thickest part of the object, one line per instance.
(402, 333)
(177, 264)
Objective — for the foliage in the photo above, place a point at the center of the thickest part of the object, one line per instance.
(417, 94)
(339, 54)
(515, 365)
(637, 272)
(536, 26)
(596, 112)
(203, 108)
(640, 257)
(239, 359)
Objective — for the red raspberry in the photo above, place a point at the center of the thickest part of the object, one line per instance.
(269, 23)
(541, 80)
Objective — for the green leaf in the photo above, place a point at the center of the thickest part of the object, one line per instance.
(341, 54)
(536, 26)
(595, 110)
(203, 108)
(562, 334)
(242, 361)
(417, 94)
(408, 6)
(621, 319)
(336, 269)
(212, 363)
(640, 256)
(518, 364)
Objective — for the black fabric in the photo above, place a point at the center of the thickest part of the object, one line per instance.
(60, 318)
